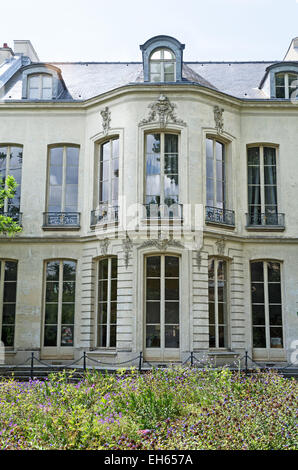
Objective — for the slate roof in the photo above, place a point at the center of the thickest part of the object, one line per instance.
(85, 80)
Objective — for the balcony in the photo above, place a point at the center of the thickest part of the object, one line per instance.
(15, 215)
(215, 215)
(61, 220)
(105, 214)
(163, 211)
(265, 221)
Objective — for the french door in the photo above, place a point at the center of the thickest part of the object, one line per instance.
(162, 308)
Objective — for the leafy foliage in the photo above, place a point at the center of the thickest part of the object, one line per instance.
(7, 191)
(179, 408)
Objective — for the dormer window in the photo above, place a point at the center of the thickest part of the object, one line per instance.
(285, 85)
(162, 66)
(162, 59)
(40, 87)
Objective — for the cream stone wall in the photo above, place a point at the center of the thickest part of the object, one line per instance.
(36, 126)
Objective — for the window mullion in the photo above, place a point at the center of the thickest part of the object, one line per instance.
(5, 207)
(216, 303)
(110, 175)
(162, 301)
(63, 192)
(109, 301)
(286, 86)
(262, 179)
(162, 168)
(60, 297)
(266, 300)
(2, 273)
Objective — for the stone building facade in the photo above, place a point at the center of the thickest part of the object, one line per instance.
(158, 201)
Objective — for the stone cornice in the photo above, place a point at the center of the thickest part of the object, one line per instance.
(141, 88)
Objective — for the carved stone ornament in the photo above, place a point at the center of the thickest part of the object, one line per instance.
(218, 118)
(127, 248)
(162, 244)
(106, 119)
(221, 244)
(162, 111)
(104, 245)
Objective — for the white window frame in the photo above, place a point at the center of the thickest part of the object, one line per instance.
(266, 304)
(214, 178)
(162, 61)
(286, 83)
(8, 147)
(216, 302)
(64, 168)
(58, 346)
(109, 301)
(110, 180)
(40, 87)
(2, 276)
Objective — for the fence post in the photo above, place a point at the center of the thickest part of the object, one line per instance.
(84, 361)
(191, 358)
(246, 358)
(32, 365)
(140, 361)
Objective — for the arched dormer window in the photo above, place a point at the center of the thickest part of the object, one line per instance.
(162, 59)
(281, 80)
(42, 82)
(285, 84)
(162, 66)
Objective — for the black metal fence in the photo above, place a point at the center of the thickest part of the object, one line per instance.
(243, 363)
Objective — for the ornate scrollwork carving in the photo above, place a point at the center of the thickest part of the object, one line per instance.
(106, 119)
(162, 111)
(218, 118)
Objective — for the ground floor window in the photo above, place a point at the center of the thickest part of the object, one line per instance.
(266, 304)
(59, 303)
(162, 301)
(107, 303)
(8, 292)
(217, 296)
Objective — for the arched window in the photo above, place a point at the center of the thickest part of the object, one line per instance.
(107, 303)
(40, 86)
(60, 283)
(217, 292)
(286, 83)
(162, 66)
(8, 293)
(266, 303)
(11, 159)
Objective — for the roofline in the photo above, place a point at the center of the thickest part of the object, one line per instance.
(185, 62)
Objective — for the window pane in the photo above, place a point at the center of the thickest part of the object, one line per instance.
(102, 336)
(68, 314)
(274, 293)
(171, 143)
(172, 289)
(273, 272)
(51, 314)
(52, 290)
(253, 156)
(275, 315)
(52, 273)
(172, 312)
(69, 270)
(152, 312)
(103, 269)
(68, 294)
(153, 266)
(50, 336)
(153, 336)
(276, 340)
(259, 337)
(257, 293)
(10, 271)
(7, 336)
(172, 266)
(8, 315)
(171, 336)
(67, 335)
(153, 289)
(257, 273)
(258, 314)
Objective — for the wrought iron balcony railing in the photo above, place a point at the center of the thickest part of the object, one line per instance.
(104, 214)
(216, 215)
(15, 215)
(265, 220)
(163, 211)
(61, 219)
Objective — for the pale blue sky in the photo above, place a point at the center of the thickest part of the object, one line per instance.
(112, 30)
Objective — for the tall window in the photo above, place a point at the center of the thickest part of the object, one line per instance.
(215, 169)
(63, 182)
(107, 303)
(11, 158)
(162, 302)
(218, 324)
(262, 185)
(59, 303)
(8, 291)
(162, 185)
(108, 177)
(266, 304)
(162, 66)
(40, 87)
(285, 84)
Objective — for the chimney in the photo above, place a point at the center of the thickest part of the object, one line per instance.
(25, 48)
(5, 53)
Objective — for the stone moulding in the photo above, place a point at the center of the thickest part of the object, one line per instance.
(162, 111)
